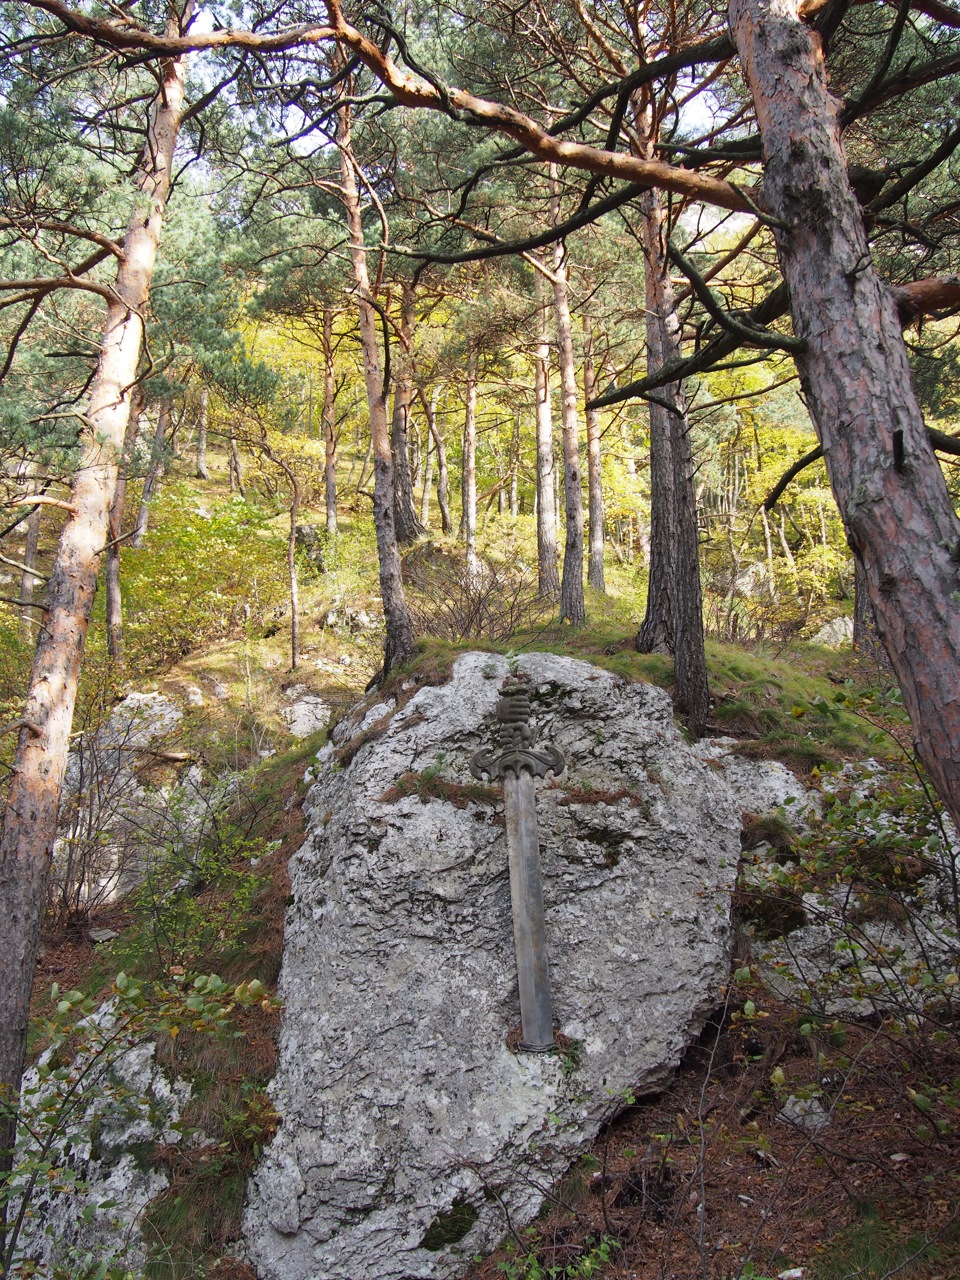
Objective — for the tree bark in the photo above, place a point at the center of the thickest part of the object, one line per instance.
(236, 470)
(33, 799)
(203, 420)
(657, 631)
(27, 579)
(674, 617)
(428, 452)
(888, 485)
(443, 475)
(154, 472)
(865, 638)
(547, 558)
(468, 517)
(572, 607)
(594, 475)
(329, 424)
(408, 527)
(111, 572)
(515, 468)
(399, 627)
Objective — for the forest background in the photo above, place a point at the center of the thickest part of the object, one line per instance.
(568, 320)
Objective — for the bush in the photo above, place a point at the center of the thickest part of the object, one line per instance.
(450, 602)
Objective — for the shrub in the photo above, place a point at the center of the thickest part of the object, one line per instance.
(448, 600)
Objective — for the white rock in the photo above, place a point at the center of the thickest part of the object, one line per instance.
(307, 715)
(758, 786)
(99, 936)
(124, 1105)
(806, 1113)
(835, 633)
(400, 1100)
(195, 696)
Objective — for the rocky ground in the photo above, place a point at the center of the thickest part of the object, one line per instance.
(825, 1152)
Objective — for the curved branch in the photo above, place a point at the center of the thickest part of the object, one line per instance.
(130, 35)
(939, 439)
(26, 225)
(927, 297)
(742, 328)
(920, 297)
(919, 171)
(414, 93)
(500, 248)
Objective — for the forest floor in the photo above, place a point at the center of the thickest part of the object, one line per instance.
(719, 1176)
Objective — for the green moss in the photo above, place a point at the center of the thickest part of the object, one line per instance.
(451, 1226)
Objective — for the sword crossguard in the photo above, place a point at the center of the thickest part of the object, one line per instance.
(516, 753)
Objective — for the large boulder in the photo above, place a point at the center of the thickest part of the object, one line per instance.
(412, 1129)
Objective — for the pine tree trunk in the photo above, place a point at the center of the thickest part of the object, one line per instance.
(657, 631)
(443, 475)
(468, 517)
(547, 558)
(154, 472)
(594, 475)
(408, 527)
(855, 374)
(572, 608)
(515, 469)
(329, 424)
(399, 627)
(292, 580)
(429, 450)
(674, 619)
(27, 579)
(111, 572)
(236, 470)
(865, 638)
(202, 472)
(33, 799)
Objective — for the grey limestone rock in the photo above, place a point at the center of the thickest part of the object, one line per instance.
(113, 1106)
(410, 1128)
(835, 633)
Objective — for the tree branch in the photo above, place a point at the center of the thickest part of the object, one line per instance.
(939, 439)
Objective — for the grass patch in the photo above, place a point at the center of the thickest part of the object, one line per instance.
(876, 1248)
(428, 786)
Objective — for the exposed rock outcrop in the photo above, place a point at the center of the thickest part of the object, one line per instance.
(410, 1129)
(95, 1123)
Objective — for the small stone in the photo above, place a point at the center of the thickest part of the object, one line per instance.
(307, 715)
(835, 633)
(806, 1113)
(194, 696)
(102, 935)
(220, 691)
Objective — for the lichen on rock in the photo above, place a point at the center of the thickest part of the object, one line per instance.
(405, 1111)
